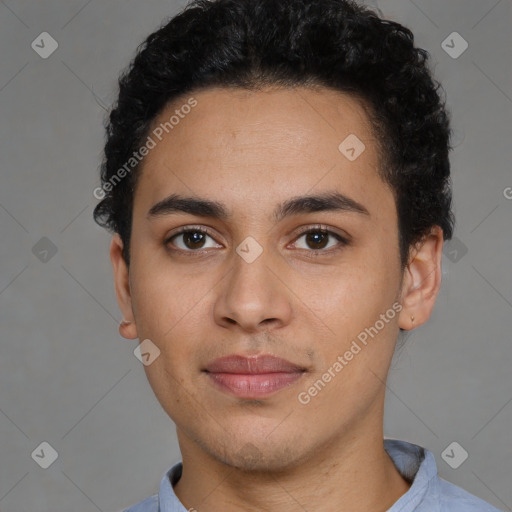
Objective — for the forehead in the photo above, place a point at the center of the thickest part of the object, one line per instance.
(257, 145)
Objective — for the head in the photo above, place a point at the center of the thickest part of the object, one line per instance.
(247, 122)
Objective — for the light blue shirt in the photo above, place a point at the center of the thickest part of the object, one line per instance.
(428, 492)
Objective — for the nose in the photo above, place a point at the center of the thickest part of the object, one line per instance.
(253, 297)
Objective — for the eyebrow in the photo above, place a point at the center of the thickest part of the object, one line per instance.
(328, 201)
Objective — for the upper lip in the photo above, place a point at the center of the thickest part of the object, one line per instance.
(264, 363)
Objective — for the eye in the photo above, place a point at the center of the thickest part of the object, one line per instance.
(319, 239)
(190, 239)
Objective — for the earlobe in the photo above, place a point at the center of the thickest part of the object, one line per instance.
(127, 327)
(422, 280)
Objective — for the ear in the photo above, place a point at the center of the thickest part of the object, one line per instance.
(127, 328)
(421, 280)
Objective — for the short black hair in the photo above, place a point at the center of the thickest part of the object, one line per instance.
(251, 44)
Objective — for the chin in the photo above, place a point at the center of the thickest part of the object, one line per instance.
(260, 456)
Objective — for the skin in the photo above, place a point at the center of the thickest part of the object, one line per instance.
(251, 151)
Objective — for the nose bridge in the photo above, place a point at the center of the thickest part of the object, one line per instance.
(250, 268)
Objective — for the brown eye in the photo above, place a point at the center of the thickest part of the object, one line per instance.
(191, 240)
(318, 239)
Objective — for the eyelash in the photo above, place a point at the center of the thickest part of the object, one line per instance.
(313, 253)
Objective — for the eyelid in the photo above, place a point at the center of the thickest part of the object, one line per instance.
(191, 227)
(323, 227)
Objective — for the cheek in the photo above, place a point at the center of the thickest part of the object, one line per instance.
(163, 296)
(354, 295)
(169, 316)
(176, 391)
(171, 321)
(353, 302)
(171, 297)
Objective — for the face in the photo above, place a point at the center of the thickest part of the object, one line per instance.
(246, 279)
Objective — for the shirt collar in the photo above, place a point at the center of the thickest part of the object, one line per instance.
(417, 465)
(413, 462)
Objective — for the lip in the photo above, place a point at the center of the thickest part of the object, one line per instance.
(252, 365)
(253, 377)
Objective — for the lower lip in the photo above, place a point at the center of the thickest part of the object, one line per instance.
(253, 385)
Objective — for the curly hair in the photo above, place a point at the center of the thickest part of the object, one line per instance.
(251, 44)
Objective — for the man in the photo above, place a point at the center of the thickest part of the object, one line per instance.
(276, 177)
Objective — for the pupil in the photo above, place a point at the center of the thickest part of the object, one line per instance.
(314, 238)
(195, 238)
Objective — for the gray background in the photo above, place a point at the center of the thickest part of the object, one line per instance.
(66, 375)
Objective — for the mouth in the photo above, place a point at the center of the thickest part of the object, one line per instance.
(253, 377)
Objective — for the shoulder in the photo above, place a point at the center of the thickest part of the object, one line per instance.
(453, 498)
(150, 504)
(165, 498)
